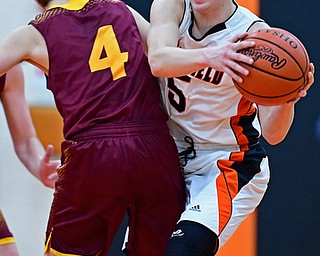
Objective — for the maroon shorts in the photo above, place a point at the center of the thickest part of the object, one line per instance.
(5, 235)
(104, 174)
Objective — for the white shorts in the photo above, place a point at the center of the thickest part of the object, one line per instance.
(224, 187)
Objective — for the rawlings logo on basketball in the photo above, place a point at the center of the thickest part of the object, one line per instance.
(280, 69)
(265, 53)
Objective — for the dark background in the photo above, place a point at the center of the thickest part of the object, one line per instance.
(289, 215)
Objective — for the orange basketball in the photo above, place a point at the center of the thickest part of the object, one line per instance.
(280, 68)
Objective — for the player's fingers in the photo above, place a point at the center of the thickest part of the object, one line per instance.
(244, 45)
(238, 68)
(233, 75)
(50, 183)
(238, 57)
(53, 176)
(239, 37)
(310, 80)
(48, 154)
(310, 77)
(312, 68)
(302, 93)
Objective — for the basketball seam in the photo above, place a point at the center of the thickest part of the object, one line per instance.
(292, 57)
(267, 97)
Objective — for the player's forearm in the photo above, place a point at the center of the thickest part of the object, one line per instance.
(277, 122)
(174, 62)
(30, 154)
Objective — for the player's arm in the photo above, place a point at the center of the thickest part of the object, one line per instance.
(23, 44)
(276, 120)
(167, 60)
(26, 143)
(143, 27)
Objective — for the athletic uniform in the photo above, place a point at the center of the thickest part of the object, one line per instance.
(2, 82)
(5, 235)
(217, 133)
(118, 155)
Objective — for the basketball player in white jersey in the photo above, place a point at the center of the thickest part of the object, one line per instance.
(195, 44)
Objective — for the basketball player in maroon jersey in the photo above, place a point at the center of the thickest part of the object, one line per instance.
(118, 155)
(7, 243)
(26, 144)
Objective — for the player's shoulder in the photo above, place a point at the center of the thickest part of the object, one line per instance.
(242, 19)
(258, 25)
(243, 13)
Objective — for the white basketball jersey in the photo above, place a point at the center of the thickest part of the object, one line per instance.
(205, 105)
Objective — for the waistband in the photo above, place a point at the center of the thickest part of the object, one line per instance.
(206, 147)
(122, 129)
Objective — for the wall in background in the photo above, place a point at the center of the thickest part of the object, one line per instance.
(289, 222)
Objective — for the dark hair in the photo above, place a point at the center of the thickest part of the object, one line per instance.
(44, 3)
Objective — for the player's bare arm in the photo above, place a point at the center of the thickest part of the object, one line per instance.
(23, 44)
(26, 143)
(170, 61)
(143, 26)
(277, 120)
(163, 53)
(165, 58)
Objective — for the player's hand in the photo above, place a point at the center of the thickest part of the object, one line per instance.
(303, 92)
(48, 169)
(226, 58)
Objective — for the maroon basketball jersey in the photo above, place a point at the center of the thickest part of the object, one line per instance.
(5, 235)
(2, 82)
(98, 71)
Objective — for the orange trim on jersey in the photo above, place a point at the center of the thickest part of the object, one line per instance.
(237, 245)
(237, 156)
(245, 108)
(7, 240)
(227, 187)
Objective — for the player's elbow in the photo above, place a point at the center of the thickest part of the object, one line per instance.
(273, 139)
(155, 68)
(156, 65)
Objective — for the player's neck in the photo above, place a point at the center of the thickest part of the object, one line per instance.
(57, 2)
(206, 19)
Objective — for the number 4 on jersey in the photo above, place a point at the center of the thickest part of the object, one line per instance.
(106, 41)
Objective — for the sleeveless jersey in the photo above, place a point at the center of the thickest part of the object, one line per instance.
(205, 104)
(98, 71)
(2, 82)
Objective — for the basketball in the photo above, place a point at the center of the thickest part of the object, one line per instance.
(280, 67)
